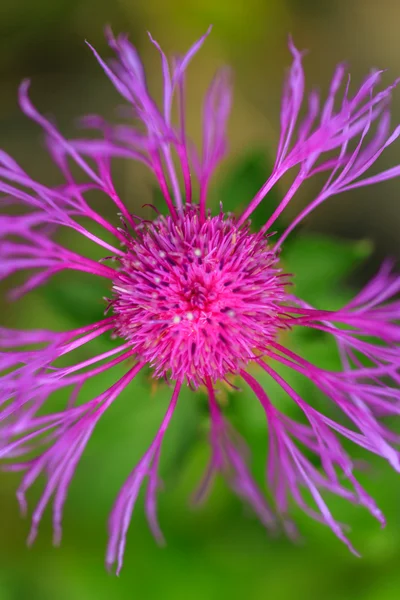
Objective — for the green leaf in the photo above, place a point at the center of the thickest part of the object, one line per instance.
(78, 297)
(320, 265)
(243, 180)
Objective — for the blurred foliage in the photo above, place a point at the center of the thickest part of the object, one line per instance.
(237, 22)
(320, 265)
(240, 184)
(29, 29)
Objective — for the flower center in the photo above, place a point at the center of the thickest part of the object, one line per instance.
(196, 299)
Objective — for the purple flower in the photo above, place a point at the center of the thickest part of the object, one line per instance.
(199, 297)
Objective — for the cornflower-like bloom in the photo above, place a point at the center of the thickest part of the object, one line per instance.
(199, 297)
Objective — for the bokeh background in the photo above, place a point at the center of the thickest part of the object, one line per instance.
(219, 551)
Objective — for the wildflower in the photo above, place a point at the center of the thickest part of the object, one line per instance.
(199, 297)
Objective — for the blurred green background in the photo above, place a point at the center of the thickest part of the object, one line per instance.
(218, 551)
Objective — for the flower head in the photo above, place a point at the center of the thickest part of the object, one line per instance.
(199, 297)
(196, 299)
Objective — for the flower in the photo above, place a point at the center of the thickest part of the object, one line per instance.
(199, 297)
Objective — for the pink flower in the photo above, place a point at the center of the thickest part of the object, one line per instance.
(199, 297)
